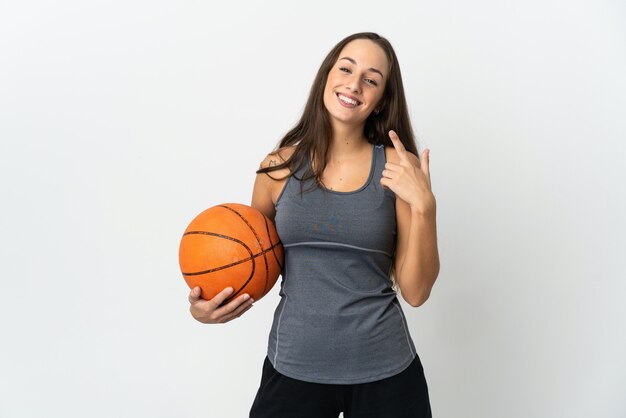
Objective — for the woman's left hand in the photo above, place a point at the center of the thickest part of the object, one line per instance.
(409, 178)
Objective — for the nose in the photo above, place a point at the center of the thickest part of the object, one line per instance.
(354, 84)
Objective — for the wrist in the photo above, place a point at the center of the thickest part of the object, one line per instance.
(424, 209)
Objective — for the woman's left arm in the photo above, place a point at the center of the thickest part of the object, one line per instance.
(416, 258)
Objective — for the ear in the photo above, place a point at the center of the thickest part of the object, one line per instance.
(379, 107)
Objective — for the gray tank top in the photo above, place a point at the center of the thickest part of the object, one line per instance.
(339, 320)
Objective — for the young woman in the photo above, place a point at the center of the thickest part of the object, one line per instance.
(353, 206)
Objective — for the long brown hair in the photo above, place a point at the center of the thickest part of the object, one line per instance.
(313, 133)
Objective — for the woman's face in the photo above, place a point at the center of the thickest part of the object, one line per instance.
(356, 82)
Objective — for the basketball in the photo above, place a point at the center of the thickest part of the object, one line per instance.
(231, 245)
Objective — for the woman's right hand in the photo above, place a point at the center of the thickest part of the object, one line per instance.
(210, 311)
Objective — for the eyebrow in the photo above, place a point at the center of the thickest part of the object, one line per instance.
(370, 69)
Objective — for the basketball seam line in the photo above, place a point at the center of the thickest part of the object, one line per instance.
(267, 273)
(197, 273)
(238, 241)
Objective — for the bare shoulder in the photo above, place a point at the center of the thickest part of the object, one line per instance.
(278, 157)
(268, 186)
(392, 155)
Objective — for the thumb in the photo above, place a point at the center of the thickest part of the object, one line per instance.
(194, 295)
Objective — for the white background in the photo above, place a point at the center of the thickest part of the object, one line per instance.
(120, 121)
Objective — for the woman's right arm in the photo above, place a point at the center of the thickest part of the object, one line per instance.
(263, 195)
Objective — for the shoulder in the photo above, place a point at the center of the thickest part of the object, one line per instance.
(391, 155)
(268, 185)
(278, 157)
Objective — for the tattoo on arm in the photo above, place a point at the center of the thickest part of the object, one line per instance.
(272, 163)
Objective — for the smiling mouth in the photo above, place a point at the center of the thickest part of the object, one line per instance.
(347, 101)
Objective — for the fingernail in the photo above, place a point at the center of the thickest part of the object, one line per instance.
(246, 297)
(229, 290)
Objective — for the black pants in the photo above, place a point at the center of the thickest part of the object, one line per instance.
(404, 395)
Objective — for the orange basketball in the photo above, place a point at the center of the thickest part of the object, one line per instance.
(231, 245)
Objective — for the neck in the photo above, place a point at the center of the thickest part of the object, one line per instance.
(347, 141)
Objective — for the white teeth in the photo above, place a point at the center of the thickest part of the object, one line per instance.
(347, 100)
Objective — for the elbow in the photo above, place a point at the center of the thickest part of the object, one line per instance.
(418, 293)
(417, 300)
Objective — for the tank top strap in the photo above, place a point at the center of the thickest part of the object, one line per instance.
(379, 161)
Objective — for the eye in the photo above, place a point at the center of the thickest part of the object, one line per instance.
(344, 69)
(372, 82)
